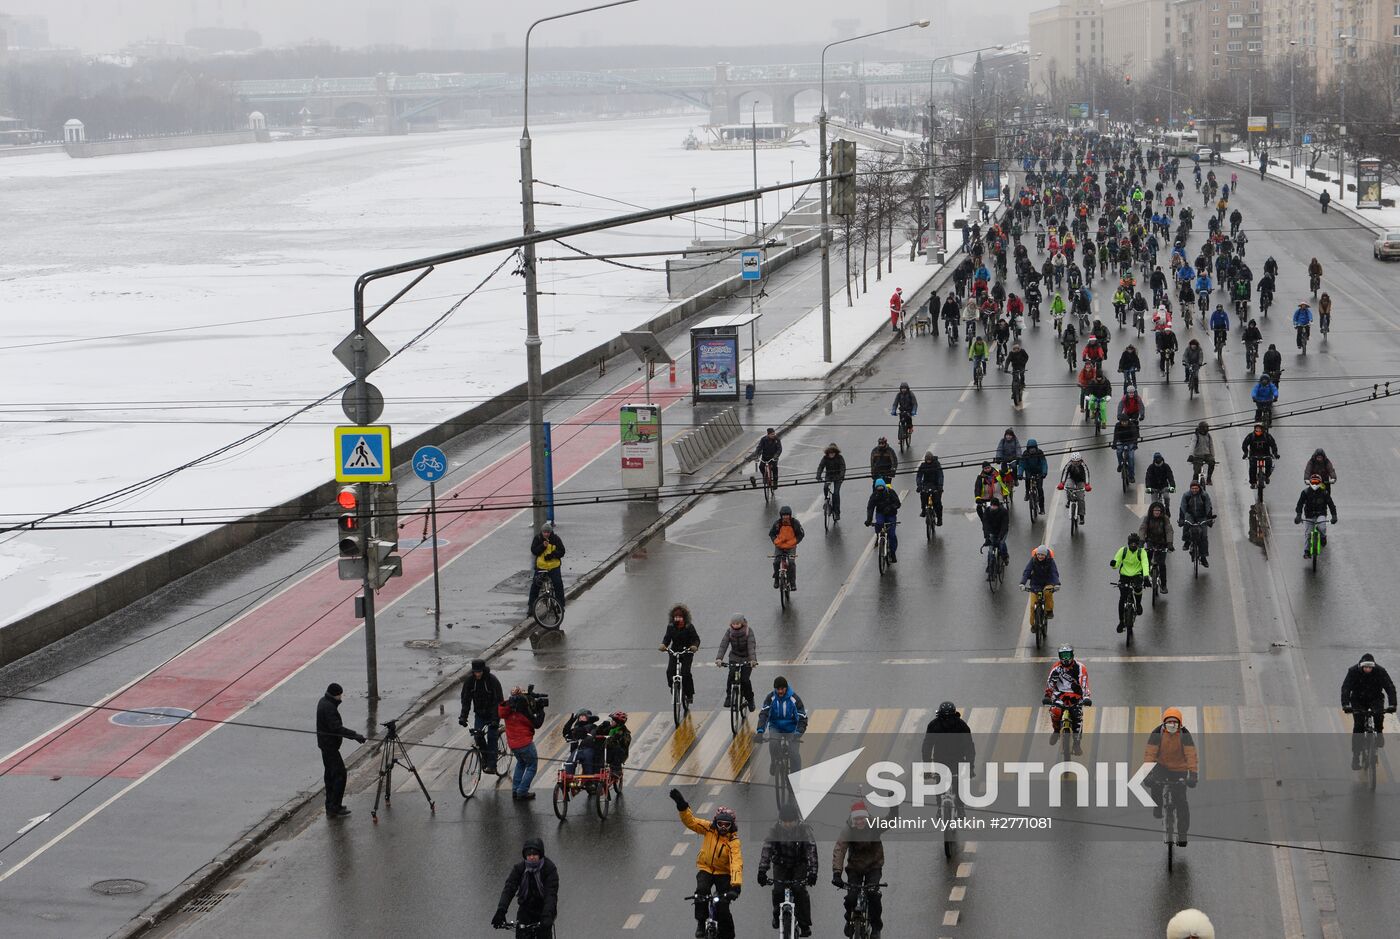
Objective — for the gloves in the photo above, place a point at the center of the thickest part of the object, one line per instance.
(836, 881)
(1191, 780)
(1060, 486)
(1045, 700)
(1297, 520)
(868, 523)
(1087, 702)
(681, 804)
(661, 648)
(762, 877)
(462, 721)
(499, 920)
(360, 738)
(1088, 488)
(1112, 563)
(733, 893)
(1171, 547)
(1390, 710)
(812, 879)
(1346, 708)
(1334, 520)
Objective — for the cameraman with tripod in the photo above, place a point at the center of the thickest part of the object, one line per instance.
(523, 714)
(330, 731)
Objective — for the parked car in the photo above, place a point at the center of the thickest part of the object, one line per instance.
(1387, 246)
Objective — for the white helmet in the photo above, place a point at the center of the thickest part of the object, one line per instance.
(1075, 457)
(1190, 924)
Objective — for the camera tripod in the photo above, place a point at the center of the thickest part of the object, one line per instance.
(394, 753)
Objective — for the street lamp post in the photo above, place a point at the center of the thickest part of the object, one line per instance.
(826, 221)
(534, 380)
(931, 162)
(1292, 110)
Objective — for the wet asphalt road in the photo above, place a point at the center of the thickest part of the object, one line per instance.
(1256, 642)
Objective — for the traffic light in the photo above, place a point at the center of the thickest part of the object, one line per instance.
(843, 163)
(384, 560)
(352, 549)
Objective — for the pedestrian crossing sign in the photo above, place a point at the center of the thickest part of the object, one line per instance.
(363, 455)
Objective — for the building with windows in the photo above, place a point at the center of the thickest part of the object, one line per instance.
(1065, 40)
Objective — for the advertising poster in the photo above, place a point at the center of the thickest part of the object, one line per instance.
(991, 180)
(1368, 184)
(717, 367)
(940, 229)
(641, 445)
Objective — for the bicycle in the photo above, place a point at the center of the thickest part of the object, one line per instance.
(734, 699)
(1220, 337)
(1129, 595)
(906, 430)
(859, 921)
(1071, 355)
(474, 761)
(1313, 540)
(1157, 559)
(949, 811)
(1264, 414)
(1035, 496)
(1193, 380)
(979, 370)
(951, 328)
(787, 909)
(1163, 496)
(1251, 356)
(828, 513)
(548, 612)
(1124, 470)
(768, 472)
(1261, 478)
(996, 566)
(1040, 619)
(930, 516)
(784, 579)
(711, 924)
(1074, 507)
(1324, 322)
(781, 764)
(882, 547)
(680, 704)
(1266, 300)
(1303, 333)
(602, 784)
(1370, 741)
(1190, 534)
(1018, 386)
(1314, 281)
(1172, 790)
(1071, 719)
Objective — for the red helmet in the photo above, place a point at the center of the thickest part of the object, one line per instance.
(618, 717)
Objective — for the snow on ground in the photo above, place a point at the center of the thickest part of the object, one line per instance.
(796, 352)
(1386, 219)
(162, 305)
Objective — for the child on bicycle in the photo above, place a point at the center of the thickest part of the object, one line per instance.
(614, 741)
(719, 863)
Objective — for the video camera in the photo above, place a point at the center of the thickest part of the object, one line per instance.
(535, 702)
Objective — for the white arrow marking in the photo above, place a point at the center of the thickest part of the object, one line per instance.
(33, 822)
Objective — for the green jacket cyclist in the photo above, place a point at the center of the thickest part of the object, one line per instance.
(977, 354)
(1133, 570)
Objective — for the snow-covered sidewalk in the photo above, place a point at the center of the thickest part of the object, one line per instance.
(1378, 220)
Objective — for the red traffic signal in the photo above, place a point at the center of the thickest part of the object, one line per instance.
(348, 521)
(349, 498)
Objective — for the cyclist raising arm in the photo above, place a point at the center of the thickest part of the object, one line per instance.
(719, 863)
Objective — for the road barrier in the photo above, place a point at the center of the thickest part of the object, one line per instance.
(697, 445)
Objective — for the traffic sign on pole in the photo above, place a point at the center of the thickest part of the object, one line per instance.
(363, 455)
(429, 464)
(750, 265)
(373, 404)
(376, 353)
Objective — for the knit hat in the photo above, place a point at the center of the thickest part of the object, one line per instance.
(334, 689)
(858, 810)
(1367, 659)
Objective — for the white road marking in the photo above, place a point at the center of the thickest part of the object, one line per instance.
(650, 895)
(633, 921)
(956, 894)
(949, 422)
(33, 821)
(679, 849)
(665, 872)
(950, 918)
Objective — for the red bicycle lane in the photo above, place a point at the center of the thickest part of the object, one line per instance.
(233, 668)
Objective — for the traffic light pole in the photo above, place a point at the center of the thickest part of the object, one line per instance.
(364, 513)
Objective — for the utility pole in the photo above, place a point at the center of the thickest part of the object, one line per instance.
(1292, 109)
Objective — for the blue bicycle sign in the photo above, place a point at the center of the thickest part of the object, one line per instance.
(430, 464)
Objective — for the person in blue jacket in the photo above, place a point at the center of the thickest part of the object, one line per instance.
(784, 714)
(1264, 395)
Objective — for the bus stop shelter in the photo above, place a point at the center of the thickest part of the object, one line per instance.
(715, 355)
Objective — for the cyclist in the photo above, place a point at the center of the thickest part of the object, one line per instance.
(1266, 292)
(719, 863)
(883, 509)
(977, 355)
(996, 524)
(1314, 272)
(1128, 365)
(905, 405)
(1313, 503)
(1252, 336)
(1041, 572)
(1057, 309)
(950, 313)
(1324, 312)
(1203, 289)
(534, 882)
(614, 742)
(1271, 267)
(579, 731)
(1074, 478)
(791, 851)
(1133, 569)
(1220, 326)
(784, 713)
(970, 311)
(770, 447)
(786, 534)
(682, 638)
(949, 739)
(832, 470)
(1125, 440)
(1260, 445)
(1159, 476)
(1069, 341)
(861, 854)
(548, 549)
(1156, 531)
(1068, 679)
(1264, 395)
(482, 690)
(1194, 356)
(1017, 360)
(1320, 465)
(1093, 350)
(1173, 752)
(1302, 321)
(883, 461)
(1272, 362)
(1008, 449)
(928, 481)
(1001, 335)
(741, 643)
(1194, 515)
(1034, 465)
(1131, 406)
(1367, 687)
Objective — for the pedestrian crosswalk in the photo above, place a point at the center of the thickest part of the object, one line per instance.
(703, 748)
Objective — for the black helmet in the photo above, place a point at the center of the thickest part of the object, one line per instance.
(947, 709)
(1134, 540)
(785, 510)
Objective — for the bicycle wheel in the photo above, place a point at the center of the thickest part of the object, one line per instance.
(547, 612)
(1371, 761)
(787, 926)
(929, 526)
(784, 591)
(504, 758)
(950, 841)
(677, 701)
(1123, 471)
(469, 773)
(736, 712)
(603, 804)
(1038, 626)
(1314, 548)
(561, 800)
(881, 557)
(826, 514)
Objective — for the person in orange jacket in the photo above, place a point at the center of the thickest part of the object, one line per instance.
(1171, 747)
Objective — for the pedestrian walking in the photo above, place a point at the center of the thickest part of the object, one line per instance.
(534, 884)
(330, 731)
(1324, 200)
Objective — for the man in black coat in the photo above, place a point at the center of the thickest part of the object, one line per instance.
(534, 884)
(329, 733)
(949, 740)
(482, 690)
(1367, 688)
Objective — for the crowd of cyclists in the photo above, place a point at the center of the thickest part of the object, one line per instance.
(1092, 214)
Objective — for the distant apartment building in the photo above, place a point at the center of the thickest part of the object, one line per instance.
(1066, 39)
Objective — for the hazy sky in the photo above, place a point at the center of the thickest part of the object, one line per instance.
(105, 25)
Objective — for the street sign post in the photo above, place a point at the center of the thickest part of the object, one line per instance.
(363, 455)
(430, 465)
(751, 265)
